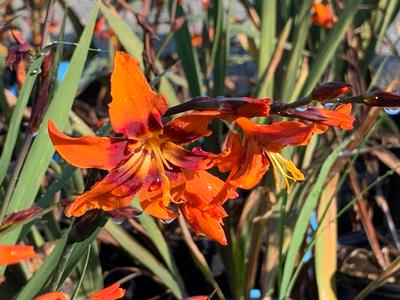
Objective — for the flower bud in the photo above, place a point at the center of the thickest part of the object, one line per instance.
(382, 99)
(43, 95)
(330, 90)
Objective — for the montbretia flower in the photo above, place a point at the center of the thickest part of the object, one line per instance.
(13, 254)
(247, 161)
(339, 117)
(111, 292)
(52, 296)
(323, 15)
(147, 159)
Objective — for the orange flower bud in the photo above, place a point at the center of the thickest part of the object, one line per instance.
(330, 90)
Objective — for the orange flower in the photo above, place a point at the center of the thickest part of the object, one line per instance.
(249, 161)
(13, 254)
(339, 117)
(112, 292)
(52, 296)
(148, 160)
(201, 189)
(323, 15)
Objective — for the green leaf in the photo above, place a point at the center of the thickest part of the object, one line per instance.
(267, 35)
(303, 221)
(42, 149)
(41, 276)
(156, 236)
(17, 114)
(134, 249)
(189, 57)
(301, 25)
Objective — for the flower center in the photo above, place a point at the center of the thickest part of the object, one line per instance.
(154, 145)
(284, 169)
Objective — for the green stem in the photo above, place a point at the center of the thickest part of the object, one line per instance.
(62, 263)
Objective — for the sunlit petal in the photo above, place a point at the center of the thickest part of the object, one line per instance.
(13, 254)
(190, 127)
(111, 292)
(135, 108)
(52, 296)
(88, 151)
(278, 135)
(116, 190)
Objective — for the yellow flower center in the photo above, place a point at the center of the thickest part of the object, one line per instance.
(284, 170)
(154, 145)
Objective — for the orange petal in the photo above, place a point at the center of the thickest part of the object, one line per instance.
(232, 151)
(247, 170)
(135, 109)
(339, 117)
(201, 188)
(208, 222)
(252, 168)
(151, 194)
(278, 135)
(112, 292)
(323, 15)
(52, 296)
(183, 158)
(190, 127)
(13, 254)
(116, 190)
(88, 151)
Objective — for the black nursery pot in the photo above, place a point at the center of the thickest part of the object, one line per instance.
(348, 285)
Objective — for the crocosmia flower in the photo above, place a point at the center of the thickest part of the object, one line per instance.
(111, 292)
(52, 296)
(147, 158)
(13, 254)
(323, 15)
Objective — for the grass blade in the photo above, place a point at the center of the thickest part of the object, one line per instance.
(326, 243)
(39, 279)
(267, 35)
(140, 253)
(303, 221)
(189, 57)
(17, 114)
(302, 24)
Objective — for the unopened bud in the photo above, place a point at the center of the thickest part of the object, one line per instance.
(382, 99)
(330, 90)
(87, 225)
(43, 95)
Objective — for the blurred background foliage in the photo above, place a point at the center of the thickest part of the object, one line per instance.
(332, 237)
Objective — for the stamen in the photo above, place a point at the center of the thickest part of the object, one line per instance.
(282, 168)
(161, 162)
